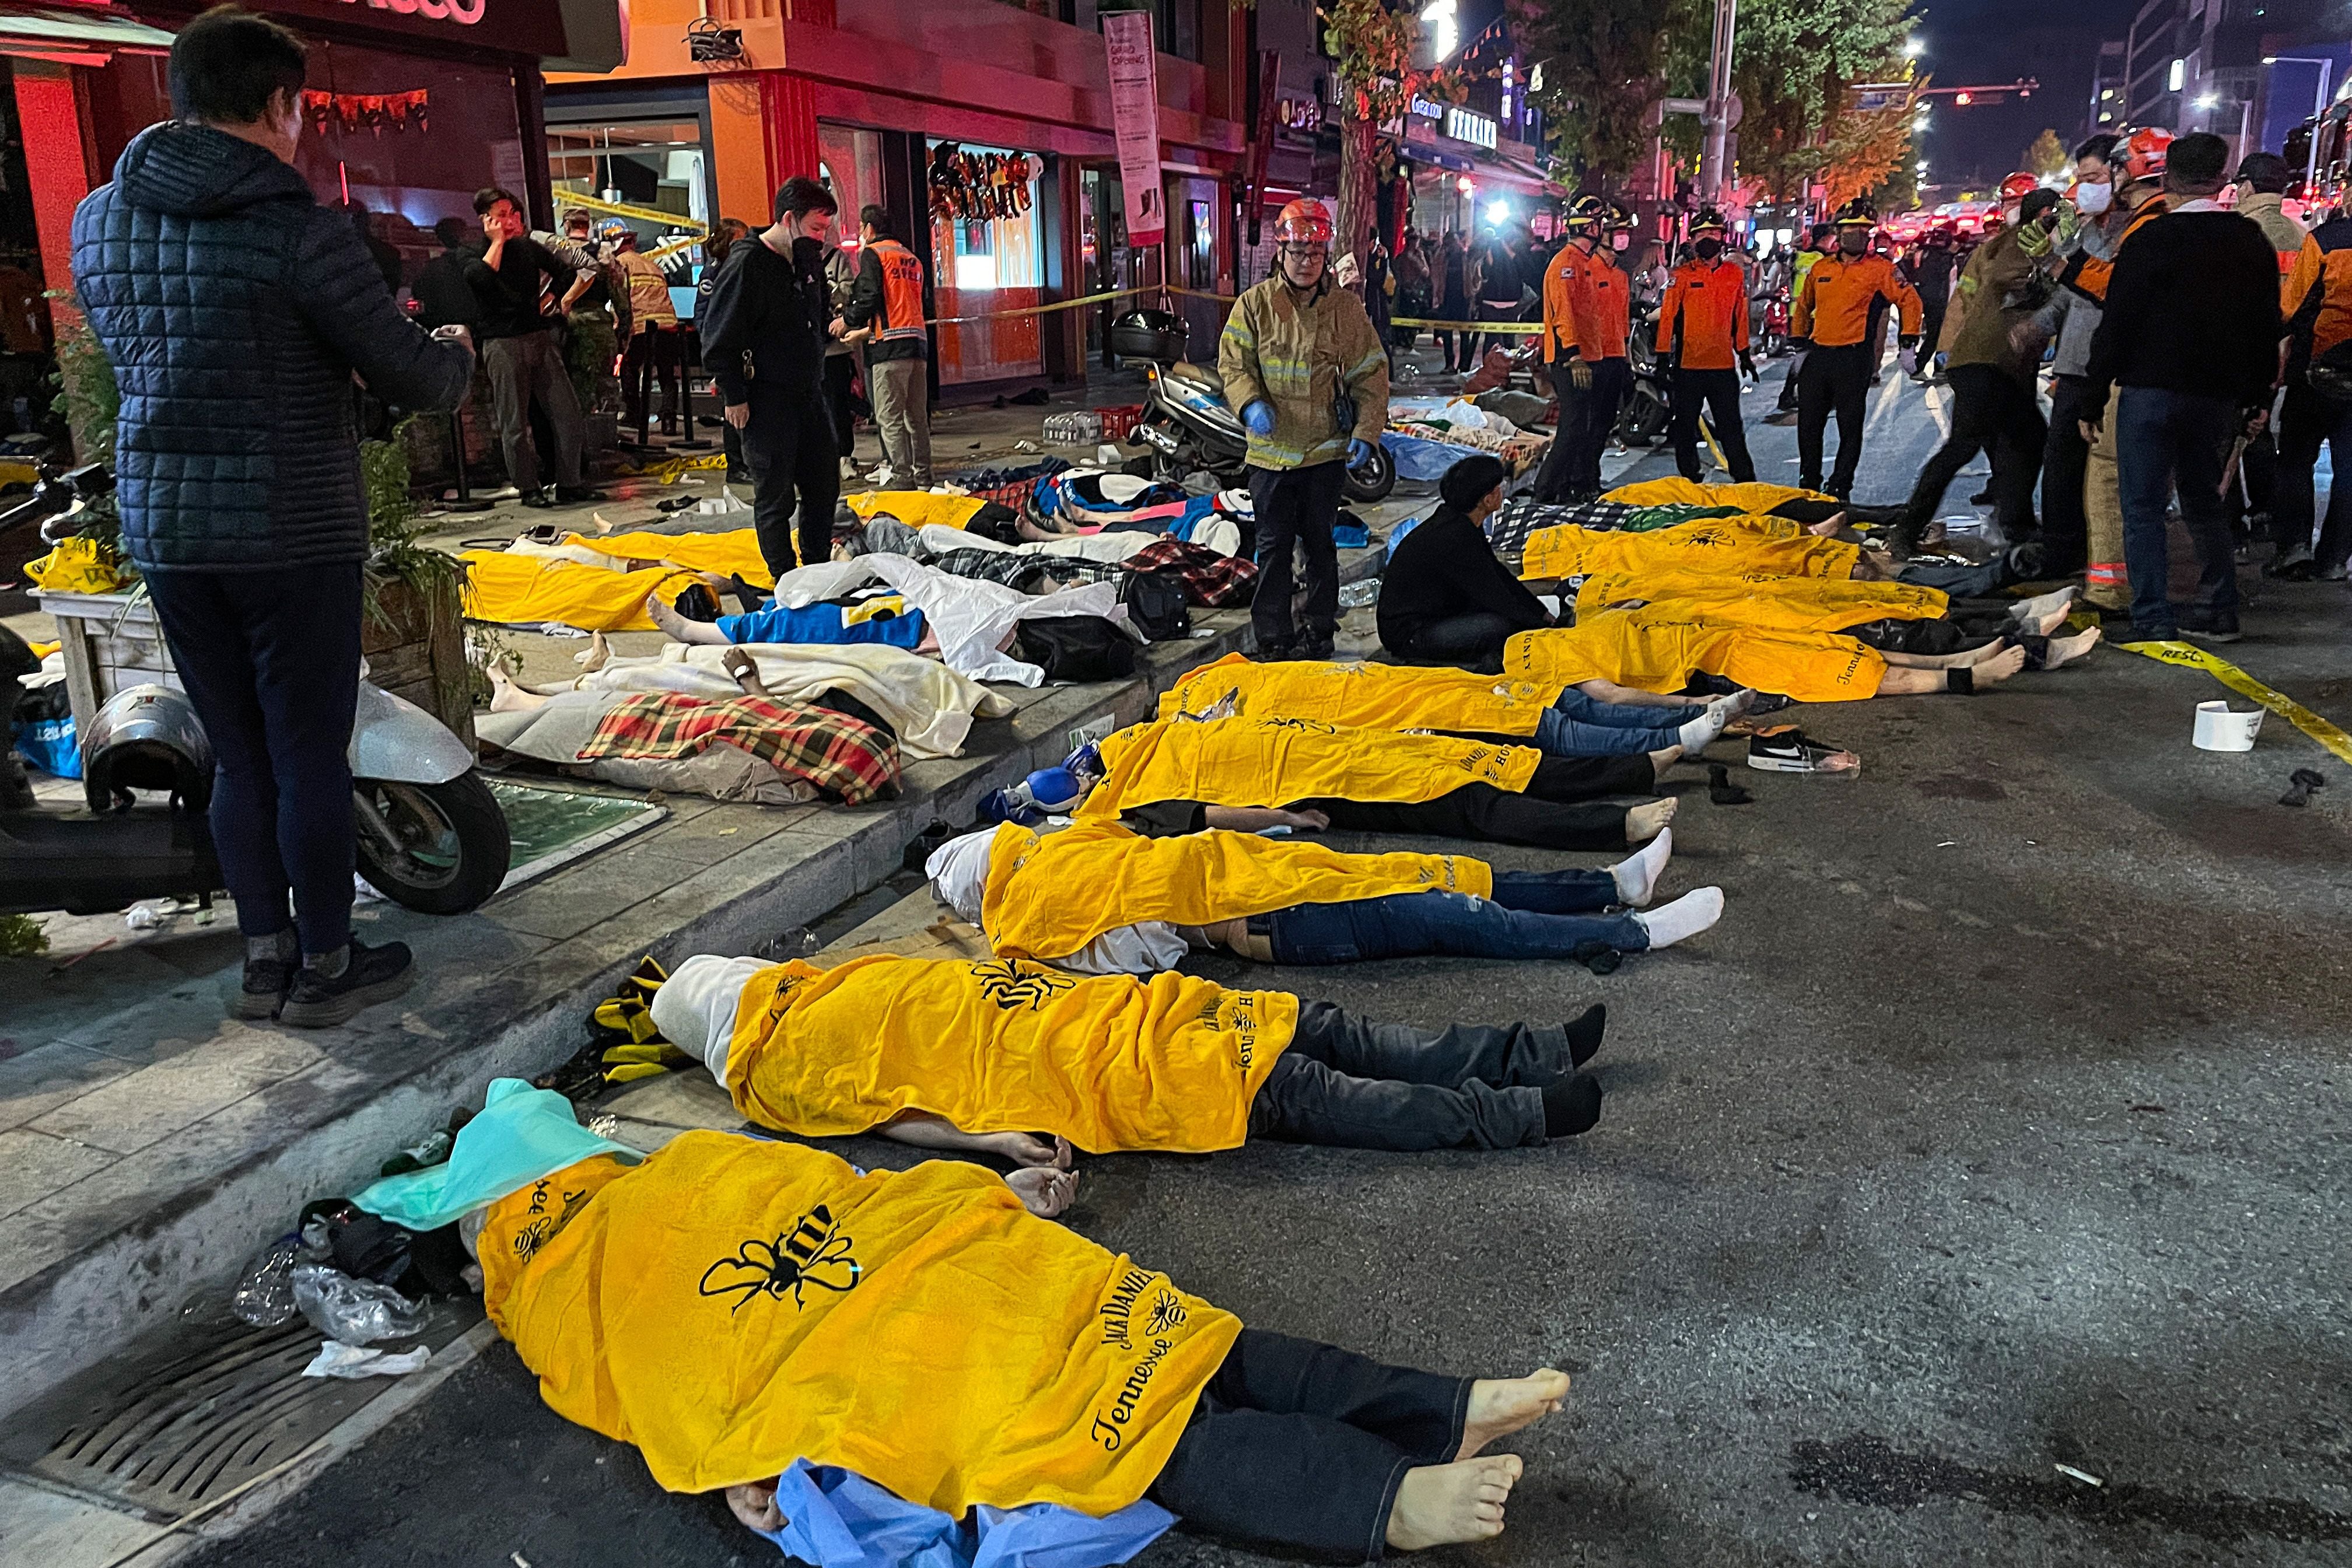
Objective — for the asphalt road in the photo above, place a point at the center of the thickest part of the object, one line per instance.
(1999, 1126)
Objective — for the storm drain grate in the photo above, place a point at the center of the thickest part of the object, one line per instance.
(217, 1418)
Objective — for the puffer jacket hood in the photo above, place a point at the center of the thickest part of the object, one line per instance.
(194, 170)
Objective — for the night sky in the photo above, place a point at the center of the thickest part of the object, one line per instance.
(1970, 41)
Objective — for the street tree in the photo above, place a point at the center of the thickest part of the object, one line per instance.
(1374, 48)
(1605, 64)
(2047, 155)
(1794, 65)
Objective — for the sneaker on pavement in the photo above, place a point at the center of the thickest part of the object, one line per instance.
(569, 496)
(370, 974)
(2207, 626)
(538, 500)
(2292, 562)
(264, 988)
(2334, 571)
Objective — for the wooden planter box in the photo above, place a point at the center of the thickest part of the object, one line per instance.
(111, 641)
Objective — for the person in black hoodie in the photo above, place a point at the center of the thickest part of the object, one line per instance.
(1444, 599)
(2190, 333)
(236, 309)
(764, 338)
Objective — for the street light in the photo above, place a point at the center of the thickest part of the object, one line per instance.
(1913, 48)
(2318, 108)
(1499, 211)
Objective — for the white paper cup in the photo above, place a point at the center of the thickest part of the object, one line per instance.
(2221, 730)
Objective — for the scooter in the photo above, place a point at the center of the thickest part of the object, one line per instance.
(1186, 423)
(1648, 407)
(431, 835)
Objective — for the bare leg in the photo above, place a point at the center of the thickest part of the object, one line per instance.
(677, 628)
(2064, 650)
(1982, 653)
(1647, 820)
(1914, 682)
(598, 654)
(1440, 1505)
(1829, 527)
(1661, 761)
(507, 697)
(1502, 1406)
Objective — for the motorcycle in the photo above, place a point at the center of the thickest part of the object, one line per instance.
(1186, 423)
(1771, 315)
(1648, 407)
(431, 835)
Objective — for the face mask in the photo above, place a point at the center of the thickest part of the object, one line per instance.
(1708, 249)
(1854, 242)
(1619, 241)
(2094, 199)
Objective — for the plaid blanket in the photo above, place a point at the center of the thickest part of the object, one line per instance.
(990, 566)
(837, 753)
(1508, 528)
(1206, 577)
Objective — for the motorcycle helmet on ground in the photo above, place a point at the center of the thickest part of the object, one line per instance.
(146, 737)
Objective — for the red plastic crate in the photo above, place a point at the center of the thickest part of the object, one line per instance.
(1119, 424)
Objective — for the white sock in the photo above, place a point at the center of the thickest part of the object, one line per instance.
(1685, 917)
(1733, 706)
(1699, 733)
(1637, 875)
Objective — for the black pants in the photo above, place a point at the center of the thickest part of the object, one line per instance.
(840, 401)
(654, 354)
(788, 446)
(1299, 505)
(1790, 380)
(1474, 641)
(528, 370)
(2066, 459)
(1931, 328)
(1351, 1083)
(1832, 380)
(1612, 378)
(271, 661)
(1719, 391)
(1995, 414)
(1483, 812)
(1556, 480)
(1300, 1445)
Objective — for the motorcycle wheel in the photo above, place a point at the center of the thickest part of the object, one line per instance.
(1373, 479)
(1645, 421)
(1774, 343)
(454, 845)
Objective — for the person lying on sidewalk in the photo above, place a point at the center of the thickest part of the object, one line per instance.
(888, 620)
(1649, 647)
(1016, 1058)
(737, 1307)
(1098, 899)
(1182, 775)
(1892, 617)
(1562, 722)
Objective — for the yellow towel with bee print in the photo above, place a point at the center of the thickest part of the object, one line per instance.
(734, 1304)
(1763, 600)
(1112, 1063)
(1363, 696)
(1050, 895)
(1272, 761)
(1715, 545)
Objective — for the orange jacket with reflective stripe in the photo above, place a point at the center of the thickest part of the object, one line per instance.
(1833, 307)
(1585, 306)
(902, 291)
(2324, 266)
(1707, 301)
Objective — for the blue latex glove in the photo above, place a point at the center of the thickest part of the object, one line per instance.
(1258, 414)
(1358, 452)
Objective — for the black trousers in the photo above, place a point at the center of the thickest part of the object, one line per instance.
(2066, 459)
(1995, 414)
(271, 661)
(1299, 505)
(1351, 1083)
(1931, 328)
(1488, 815)
(841, 400)
(788, 446)
(1474, 642)
(1556, 480)
(1612, 378)
(654, 354)
(1719, 391)
(1832, 380)
(1301, 1444)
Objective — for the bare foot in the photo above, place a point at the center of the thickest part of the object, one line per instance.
(1044, 1191)
(677, 628)
(1441, 1505)
(1647, 820)
(605, 525)
(506, 697)
(2001, 666)
(2064, 650)
(1661, 761)
(1829, 526)
(596, 656)
(2041, 626)
(1502, 1406)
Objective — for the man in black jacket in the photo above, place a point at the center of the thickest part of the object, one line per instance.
(1444, 599)
(763, 337)
(442, 296)
(2190, 335)
(236, 309)
(517, 280)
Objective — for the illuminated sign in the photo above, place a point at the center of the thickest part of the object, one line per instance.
(465, 13)
(1299, 114)
(1429, 108)
(1467, 125)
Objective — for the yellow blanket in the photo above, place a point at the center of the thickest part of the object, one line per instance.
(523, 590)
(1655, 652)
(735, 550)
(1760, 600)
(734, 1304)
(1111, 1062)
(1049, 896)
(1272, 761)
(915, 508)
(1676, 491)
(1363, 696)
(1719, 544)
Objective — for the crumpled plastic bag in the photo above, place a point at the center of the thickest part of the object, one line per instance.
(336, 1359)
(356, 1311)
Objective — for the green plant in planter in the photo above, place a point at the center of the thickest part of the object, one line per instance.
(435, 579)
(91, 404)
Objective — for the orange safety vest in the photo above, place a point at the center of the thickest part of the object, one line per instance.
(902, 292)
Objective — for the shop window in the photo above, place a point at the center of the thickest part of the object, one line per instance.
(1176, 27)
(850, 164)
(659, 171)
(988, 256)
(1200, 253)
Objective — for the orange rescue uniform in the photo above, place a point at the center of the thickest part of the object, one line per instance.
(1833, 307)
(1708, 302)
(1586, 306)
(2325, 265)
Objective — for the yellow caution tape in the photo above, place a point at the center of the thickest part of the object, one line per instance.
(1466, 326)
(622, 209)
(2189, 657)
(667, 473)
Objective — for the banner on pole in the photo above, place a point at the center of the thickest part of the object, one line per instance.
(1135, 118)
(1269, 88)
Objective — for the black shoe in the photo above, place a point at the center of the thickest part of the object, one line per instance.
(370, 975)
(537, 499)
(1315, 649)
(2154, 634)
(565, 494)
(739, 475)
(1982, 498)
(2202, 624)
(264, 990)
(1276, 652)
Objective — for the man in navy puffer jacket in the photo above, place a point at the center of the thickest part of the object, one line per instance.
(236, 309)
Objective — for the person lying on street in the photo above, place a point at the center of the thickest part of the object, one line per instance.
(1721, 546)
(1892, 617)
(1098, 899)
(1444, 599)
(1562, 722)
(1015, 1059)
(1181, 775)
(731, 1305)
(887, 621)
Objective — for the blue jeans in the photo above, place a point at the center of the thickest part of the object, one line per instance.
(1351, 1083)
(1576, 725)
(2168, 440)
(1533, 914)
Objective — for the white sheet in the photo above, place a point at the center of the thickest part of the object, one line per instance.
(929, 705)
(971, 620)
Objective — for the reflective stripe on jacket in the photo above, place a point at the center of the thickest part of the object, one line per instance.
(1832, 308)
(1299, 355)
